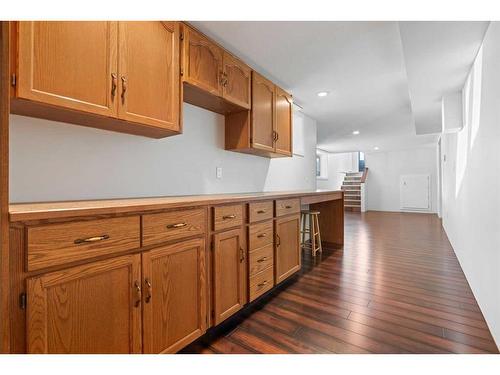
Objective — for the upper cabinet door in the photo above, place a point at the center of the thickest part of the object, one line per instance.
(263, 113)
(202, 62)
(174, 296)
(90, 309)
(284, 115)
(69, 64)
(149, 73)
(236, 81)
(229, 273)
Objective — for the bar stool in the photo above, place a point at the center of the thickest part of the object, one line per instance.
(313, 230)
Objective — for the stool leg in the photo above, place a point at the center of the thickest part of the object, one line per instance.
(320, 247)
(303, 222)
(312, 236)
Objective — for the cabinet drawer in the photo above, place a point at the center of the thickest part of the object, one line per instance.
(228, 216)
(169, 226)
(261, 283)
(260, 211)
(287, 206)
(260, 259)
(55, 244)
(260, 235)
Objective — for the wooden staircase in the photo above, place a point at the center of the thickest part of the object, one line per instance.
(352, 191)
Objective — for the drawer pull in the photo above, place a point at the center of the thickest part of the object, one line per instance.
(262, 235)
(148, 284)
(288, 206)
(178, 225)
(278, 240)
(261, 211)
(226, 217)
(262, 284)
(242, 255)
(91, 239)
(263, 259)
(138, 294)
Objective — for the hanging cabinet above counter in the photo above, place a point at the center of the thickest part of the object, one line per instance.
(132, 77)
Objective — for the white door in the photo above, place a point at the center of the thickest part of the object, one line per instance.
(415, 192)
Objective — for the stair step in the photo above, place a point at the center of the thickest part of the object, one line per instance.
(352, 205)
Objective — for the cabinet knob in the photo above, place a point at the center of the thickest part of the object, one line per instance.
(148, 285)
(124, 88)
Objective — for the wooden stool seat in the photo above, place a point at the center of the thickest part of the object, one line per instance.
(313, 230)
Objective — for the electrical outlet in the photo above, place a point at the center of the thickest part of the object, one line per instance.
(218, 172)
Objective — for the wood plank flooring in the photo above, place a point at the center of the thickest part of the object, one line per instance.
(395, 287)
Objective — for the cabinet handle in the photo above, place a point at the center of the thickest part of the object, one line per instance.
(138, 294)
(288, 206)
(148, 284)
(124, 88)
(262, 235)
(277, 136)
(91, 239)
(178, 225)
(113, 85)
(226, 217)
(261, 211)
(263, 259)
(278, 240)
(242, 255)
(262, 284)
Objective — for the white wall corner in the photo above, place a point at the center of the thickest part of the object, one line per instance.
(452, 113)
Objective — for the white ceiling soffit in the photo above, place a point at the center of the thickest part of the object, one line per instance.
(438, 57)
(364, 69)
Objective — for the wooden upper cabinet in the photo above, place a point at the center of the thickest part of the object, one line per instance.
(93, 308)
(229, 265)
(202, 62)
(149, 73)
(69, 64)
(287, 248)
(236, 81)
(263, 114)
(284, 115)
(174, 293)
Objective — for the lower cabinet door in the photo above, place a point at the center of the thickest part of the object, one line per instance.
(93, 308)
(174, 294)
(287, 247)
(229, 265)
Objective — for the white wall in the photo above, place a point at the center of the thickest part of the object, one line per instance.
(385, 168)
(54, 161)
(337, 164)
(471, 183)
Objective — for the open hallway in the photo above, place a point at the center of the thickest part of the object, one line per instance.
(395, 287)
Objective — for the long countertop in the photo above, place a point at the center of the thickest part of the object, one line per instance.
(51, 210)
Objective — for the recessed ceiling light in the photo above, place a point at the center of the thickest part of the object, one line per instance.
(375, 148)
(322, 93)
(355, 132)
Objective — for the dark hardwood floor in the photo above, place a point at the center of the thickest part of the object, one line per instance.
(395, 287)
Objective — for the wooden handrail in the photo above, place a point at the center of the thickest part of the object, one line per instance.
(363, 177)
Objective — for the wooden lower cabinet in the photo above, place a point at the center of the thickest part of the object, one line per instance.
(174, 294)
(287, 257)
(93, 308)
(229, 274)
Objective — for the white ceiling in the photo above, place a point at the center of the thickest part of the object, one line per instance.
(385, 79)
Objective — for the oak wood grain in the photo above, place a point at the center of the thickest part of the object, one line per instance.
(56, 244)
(260, 259)
(86, 309)
(4, 187)
(260, 235)
(173, 225)
(174, 285)
(260, 283)
(287, 206)
(258, 211)
(227, 216)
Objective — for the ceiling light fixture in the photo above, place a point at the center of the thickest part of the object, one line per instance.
(375, 148)
(322, 94)
(355, 132)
